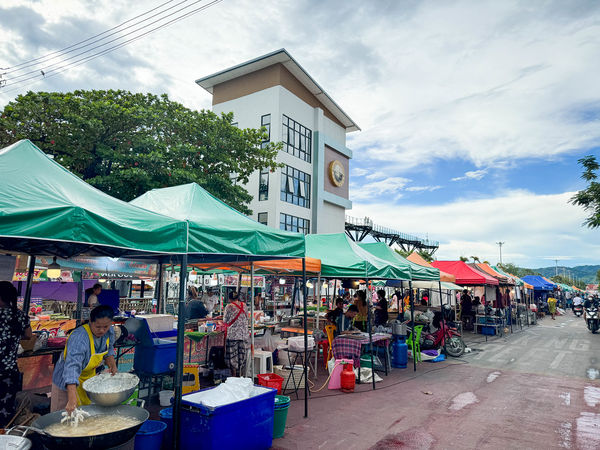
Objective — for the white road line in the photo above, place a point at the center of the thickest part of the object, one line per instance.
(557, 359)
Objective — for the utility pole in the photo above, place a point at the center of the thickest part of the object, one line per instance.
(500, 244)
(556, 267)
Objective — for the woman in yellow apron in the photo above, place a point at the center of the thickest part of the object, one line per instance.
(87, 348)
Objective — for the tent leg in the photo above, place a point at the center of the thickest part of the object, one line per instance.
(30, 270)
(369, 306)
(160, 290)
(443, 318)
(317, 292)
(179, 359)
(79, 306)
(412, 319)
(252, 319)
(305, 295)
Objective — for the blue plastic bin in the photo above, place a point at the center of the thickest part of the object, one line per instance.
(159, 358)
(150, 435)
(490, 331)
(247, 424)
(166, 415)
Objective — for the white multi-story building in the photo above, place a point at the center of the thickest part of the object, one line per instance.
(310, 193)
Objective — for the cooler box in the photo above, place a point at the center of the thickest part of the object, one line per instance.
(246, 424)
(158, 358)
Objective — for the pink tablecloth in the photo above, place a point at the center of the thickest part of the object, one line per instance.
(344, 347)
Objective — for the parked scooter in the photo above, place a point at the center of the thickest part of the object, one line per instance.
(578, 310)
(591, 315)
(445, 334)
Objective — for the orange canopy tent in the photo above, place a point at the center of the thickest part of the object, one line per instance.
(275, 266)
(501, 278)
(418, 259)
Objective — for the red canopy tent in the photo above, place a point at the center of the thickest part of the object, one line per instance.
(465, 274)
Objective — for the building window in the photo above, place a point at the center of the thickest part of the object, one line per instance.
(295, 187)
(265, 121)
(293, 223)
(262, 218)
(297, 139)
(263, 185)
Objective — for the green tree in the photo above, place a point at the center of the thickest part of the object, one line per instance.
(516, 270)
(475, 259)
(126, 143)
(426, 256)
(464, 259)
(589, 198)
(598, 276)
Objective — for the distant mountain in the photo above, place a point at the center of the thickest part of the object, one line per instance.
(585, 273)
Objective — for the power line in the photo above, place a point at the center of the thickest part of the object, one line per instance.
(63, 50)
(101, 39)
(57, 70)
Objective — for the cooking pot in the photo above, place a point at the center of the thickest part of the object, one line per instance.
(14, 443)
(398, 328)
(99, 441)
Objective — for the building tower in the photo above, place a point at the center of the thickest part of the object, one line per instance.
(310, 193)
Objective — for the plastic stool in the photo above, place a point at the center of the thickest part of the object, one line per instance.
(263, 361)
(191, 369)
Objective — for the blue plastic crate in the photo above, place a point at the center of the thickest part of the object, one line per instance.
(490, 331)
(247, 424)
(159, 358)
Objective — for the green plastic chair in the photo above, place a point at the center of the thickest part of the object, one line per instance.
(417, 342)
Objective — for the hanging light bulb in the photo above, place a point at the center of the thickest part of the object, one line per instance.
(193, 276)
(309, 285)
(53, 269)
(282, 281)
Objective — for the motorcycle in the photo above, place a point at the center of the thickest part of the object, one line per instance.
(578, 310)
(591, 317)
(447, 336)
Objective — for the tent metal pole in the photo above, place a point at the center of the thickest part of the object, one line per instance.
(160, 290)
(30, 270)
(443, 318)
(179, 358)
(412, 319)
(305, 368)
(370, 305)
(317, 292)
(80, 295)
(252, 319)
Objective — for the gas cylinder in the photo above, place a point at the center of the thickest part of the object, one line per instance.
(399, 353)
(347, 378)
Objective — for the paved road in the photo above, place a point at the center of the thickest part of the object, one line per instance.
(535, 389)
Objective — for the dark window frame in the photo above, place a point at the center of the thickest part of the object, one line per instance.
(292, 195)
(296, 138)
(266, 218)
(287, 222)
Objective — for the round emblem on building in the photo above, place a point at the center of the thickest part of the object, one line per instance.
(336, 173)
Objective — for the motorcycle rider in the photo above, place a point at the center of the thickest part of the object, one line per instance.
(577, 300)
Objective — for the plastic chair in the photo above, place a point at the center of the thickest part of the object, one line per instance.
(265, 361)
(416, 343)
(190, 369)
(323, 347)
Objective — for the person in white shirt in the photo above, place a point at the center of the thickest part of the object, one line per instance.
(94, 292)
(577, 300)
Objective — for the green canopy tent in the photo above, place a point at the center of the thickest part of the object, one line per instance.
(47, 210)
(219, 233)
(216, 228)
(343, 258)
(417, 272)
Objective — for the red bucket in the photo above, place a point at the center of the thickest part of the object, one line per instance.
(271, 380)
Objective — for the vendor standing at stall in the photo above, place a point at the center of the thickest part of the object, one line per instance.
(87, 348)
(14, 325)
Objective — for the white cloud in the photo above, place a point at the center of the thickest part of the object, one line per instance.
(368, 191)
(472, 175)
(423, 188)
(358, 172)
(532, 227)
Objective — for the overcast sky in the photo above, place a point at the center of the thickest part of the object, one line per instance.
(473, 113)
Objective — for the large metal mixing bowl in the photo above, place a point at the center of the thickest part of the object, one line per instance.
(111, 398)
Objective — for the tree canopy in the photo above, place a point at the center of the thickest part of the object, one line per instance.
(127, 143)
(589, 198)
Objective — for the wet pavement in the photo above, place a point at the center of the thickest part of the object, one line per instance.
(536, 388)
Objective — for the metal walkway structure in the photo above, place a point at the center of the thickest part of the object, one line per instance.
(358, 229)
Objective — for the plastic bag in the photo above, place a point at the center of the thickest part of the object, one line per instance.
(366, 375)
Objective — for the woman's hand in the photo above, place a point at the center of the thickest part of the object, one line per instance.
(112, 364)
(71, 398)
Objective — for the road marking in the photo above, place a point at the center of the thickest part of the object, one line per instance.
(501, 354)
(566, 398)
(565, 434)
(575, 345)
(591, 395)
(557, 360)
